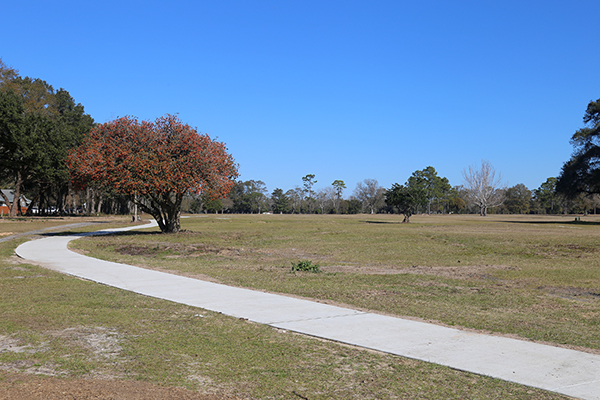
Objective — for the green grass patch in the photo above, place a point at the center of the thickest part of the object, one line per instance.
(305, 266)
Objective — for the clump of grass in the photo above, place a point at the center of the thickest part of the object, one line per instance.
(305, 266)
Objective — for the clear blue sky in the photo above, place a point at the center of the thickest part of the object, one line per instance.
(340, 89)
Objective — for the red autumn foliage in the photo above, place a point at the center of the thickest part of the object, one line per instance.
(155, 163)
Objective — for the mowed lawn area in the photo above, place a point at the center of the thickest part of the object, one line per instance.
(526, 276)
(537, 277)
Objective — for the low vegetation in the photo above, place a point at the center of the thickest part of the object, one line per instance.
(55, 324)
(305, 266)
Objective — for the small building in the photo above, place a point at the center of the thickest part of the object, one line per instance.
(4, 208)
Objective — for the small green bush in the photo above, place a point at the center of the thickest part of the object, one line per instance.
(306, 266)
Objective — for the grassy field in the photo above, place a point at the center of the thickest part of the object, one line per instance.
(532, 277)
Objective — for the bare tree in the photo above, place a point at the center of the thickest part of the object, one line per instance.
(370, 194)
(484, 186)
(326, 199)
(295, 195)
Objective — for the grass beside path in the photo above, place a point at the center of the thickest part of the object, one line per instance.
(537, 277)
(14, 228)
(56, 324)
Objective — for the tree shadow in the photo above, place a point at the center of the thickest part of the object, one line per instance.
(574, 222)
(382, 222)
(136, 233)
(102, 233)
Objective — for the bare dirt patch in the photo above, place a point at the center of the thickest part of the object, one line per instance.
(15, 259)
(103, 342)
(174, 250)
(29, 367)
(455, 272)
(28, 380)
(8, 343)
(18, 386)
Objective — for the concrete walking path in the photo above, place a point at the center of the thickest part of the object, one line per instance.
(556, 369)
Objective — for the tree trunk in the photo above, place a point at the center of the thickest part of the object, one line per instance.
(43, 204)
(89, 201)
(34, 201)
(8, 204)
(14, 208)
(166, 210)
(173, 225)
(99, 208)
(166, 223)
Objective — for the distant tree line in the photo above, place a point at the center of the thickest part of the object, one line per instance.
(424, 192)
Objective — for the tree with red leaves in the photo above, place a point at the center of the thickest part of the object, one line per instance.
(155, 164)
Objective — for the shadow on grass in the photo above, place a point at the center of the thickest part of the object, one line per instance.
(383, 222)
(574, 222)
(533, 222)
(102, 233)
(45, 231)
(137, 233)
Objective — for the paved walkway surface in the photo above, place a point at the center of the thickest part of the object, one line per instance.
(556, 369)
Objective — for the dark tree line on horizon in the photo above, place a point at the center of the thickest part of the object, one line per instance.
(423, 193)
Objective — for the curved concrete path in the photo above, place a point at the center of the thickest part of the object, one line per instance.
(556, 369)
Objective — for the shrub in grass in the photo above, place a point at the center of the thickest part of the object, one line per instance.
(306, 266)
